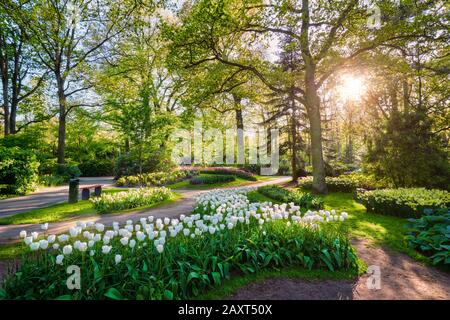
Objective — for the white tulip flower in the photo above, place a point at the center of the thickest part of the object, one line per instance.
(67, 249)
(59, 259)
(23, 234)
(34, 246)
(124, 241)
(132, 243)
(55, 246)
(44, 226)
(28, 240)
(43, 244)
(118, 258)
(34, 235)
(160, 248)
(51, 238)
(106, 249)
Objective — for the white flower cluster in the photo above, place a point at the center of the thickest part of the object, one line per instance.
(216, 211)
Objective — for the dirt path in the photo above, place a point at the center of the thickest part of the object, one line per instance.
(401, 279)
(10, 233)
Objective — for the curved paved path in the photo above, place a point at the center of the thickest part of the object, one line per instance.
(45, 197)
(9, 233)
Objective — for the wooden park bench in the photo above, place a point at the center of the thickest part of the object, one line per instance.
(85, 193)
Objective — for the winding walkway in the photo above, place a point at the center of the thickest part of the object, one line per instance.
(45, 197)
(9, 233)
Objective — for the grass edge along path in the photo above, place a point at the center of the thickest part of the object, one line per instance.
(236, 282)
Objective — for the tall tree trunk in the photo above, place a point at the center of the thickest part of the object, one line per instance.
(312, 102)
(4, 72)
(62, 120)
(5, 105)
(294, 148)
(16, 84)
(240, 128)
(4, 75)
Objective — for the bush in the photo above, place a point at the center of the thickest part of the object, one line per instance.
(130, 199)
(51, 181)
(211, 179)
(336, 168)
(18, 170)
(179, 259)
(67, 171)
(304, 200)
(231, 171)
(154, 179)
(407, 203)
(334, 184)
(366, 181)
(430, 234)
(97, 168)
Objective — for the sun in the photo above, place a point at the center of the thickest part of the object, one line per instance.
(351, 87)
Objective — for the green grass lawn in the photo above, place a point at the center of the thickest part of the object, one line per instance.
(387, 231)
(66, 211)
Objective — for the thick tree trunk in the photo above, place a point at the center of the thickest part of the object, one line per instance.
(313, 109)
(5, 106)
(294, 148)
(312, 104)
(240, 130)
(62, 120)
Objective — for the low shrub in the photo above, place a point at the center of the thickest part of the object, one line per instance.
(430, 234)
(51, 180)
(334, 184)
(179, 258)
(67, 171)
(18, 170)
(212, 179)
(130, 199)
(347, 182)
(304, 200)
(154, 179)
(231, 171)
(403, 202)
(97, 168)
(336, 168)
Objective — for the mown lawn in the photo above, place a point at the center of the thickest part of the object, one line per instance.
(384, 230)
(66, 211)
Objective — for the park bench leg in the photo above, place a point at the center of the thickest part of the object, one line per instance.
(85, 194)
(98, 191)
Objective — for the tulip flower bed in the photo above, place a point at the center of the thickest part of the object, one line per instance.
(180, 258)
(130, 199)
(212, 179)
(154, 178)
(231, 171)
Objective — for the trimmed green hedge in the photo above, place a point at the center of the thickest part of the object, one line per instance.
(334, 184)
(346, 183)
(211, 179)
(304, 200)
(403, 202)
